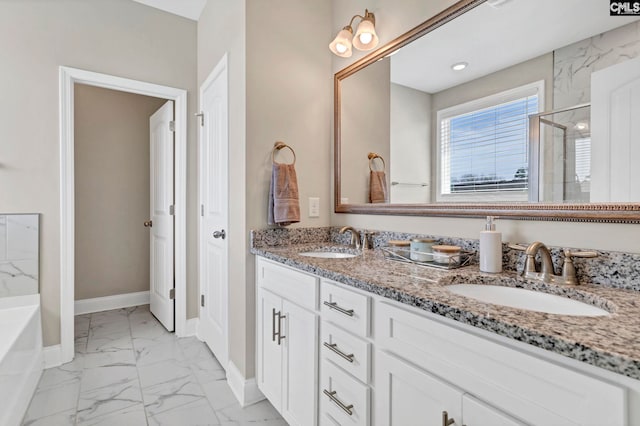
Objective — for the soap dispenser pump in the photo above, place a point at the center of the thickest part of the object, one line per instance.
(490, 248)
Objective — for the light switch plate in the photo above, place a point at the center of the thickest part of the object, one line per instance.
(314, 207)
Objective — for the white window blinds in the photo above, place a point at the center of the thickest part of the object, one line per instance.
(485, 149)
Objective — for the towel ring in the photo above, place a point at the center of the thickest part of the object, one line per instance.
(277, 147)
(372, 156)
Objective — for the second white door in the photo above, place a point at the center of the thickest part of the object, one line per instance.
(162, 283)
(213, 238)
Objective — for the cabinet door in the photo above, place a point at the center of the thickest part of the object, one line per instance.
(476, 413)
(300, 331)
(408, 396)
(269, 347)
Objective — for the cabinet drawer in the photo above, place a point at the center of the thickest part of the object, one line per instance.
(294, 285)
(527, 387)
(348, 309)
(344, 349)
(343, 400)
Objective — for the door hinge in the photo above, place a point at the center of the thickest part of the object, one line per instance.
(202, 300)
(172, 293)
(172, 126)
(172, 210)
(201, 209)
(201, 115)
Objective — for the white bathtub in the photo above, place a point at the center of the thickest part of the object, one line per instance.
(21, 361)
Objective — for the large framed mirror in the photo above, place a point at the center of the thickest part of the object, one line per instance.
(526, 109)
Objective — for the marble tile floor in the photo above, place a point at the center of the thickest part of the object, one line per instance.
(129, 371)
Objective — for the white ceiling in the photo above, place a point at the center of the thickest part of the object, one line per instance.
(187, 8)
(491, 38)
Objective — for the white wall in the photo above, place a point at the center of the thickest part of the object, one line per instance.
(394, 17)
(118, 37)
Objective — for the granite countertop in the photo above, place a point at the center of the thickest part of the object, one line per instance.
(609, 342)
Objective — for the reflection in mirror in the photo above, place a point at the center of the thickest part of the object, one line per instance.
(18, 254)
(450, 112)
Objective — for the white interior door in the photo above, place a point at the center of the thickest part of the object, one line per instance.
(161, 286)
(213, 256)
(615, 130)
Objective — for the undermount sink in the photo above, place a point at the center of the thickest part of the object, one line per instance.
(328, 254)
(530, 300)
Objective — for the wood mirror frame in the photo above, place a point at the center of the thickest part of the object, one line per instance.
(586, 212)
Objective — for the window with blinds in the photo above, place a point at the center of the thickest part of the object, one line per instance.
(484, 146)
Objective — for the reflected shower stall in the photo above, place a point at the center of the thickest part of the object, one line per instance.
(560, 144)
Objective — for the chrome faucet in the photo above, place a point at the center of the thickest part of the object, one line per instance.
(355, 236)
(547, 273)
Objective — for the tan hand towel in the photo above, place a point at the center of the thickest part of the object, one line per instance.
(284, 205)
(378, 187)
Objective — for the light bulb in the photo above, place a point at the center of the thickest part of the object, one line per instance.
(365, 38)
(341, 48)
(459, 66)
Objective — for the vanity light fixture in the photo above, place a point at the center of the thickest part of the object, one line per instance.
(459, 66)
(365, 38)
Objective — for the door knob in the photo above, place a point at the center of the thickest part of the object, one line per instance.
(148, 223)
(220, 234)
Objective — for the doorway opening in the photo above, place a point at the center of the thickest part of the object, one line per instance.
(69, 77)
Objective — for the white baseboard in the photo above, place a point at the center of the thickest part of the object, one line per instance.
(52, 356)
(245, 390)
(99, 304)
(191, 327)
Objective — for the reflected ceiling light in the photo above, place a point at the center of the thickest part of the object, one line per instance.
(365, 38)
(581, 125)
(459, 66)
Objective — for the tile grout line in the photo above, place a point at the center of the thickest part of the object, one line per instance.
(135, 358)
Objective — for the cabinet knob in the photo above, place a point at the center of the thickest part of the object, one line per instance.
(148, 223)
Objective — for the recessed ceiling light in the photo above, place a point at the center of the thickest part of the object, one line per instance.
(581, 125)
(459, 66)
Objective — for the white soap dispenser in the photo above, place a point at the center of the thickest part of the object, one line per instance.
(490, 248)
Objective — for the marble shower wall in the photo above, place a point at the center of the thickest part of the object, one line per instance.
(19, 248)
(574, 64)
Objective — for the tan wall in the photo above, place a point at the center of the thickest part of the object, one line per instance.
(289, 90)
(279, 89)
(366, 113)
(118, 37)
(392, 19)
(410, 144)
(111, 135)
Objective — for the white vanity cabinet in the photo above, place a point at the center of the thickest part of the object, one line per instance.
(288, 341)
(329, 354)
(409, 396)
(516, 383)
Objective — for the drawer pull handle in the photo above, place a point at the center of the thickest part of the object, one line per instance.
(334, 306)
(280, 336)
(334, 348)
(446, 421)
(274, 333)
(332, 397)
